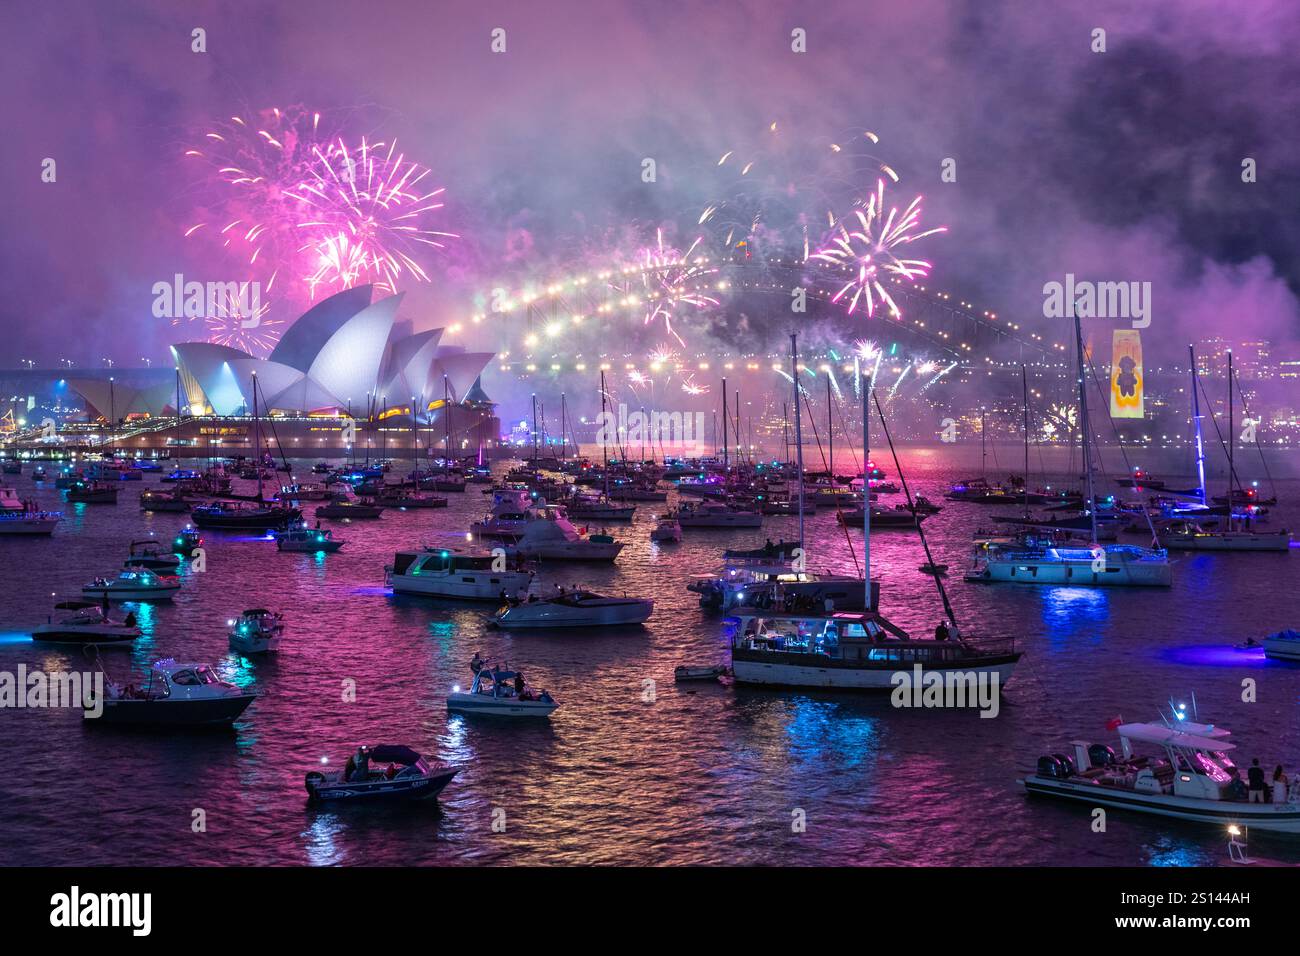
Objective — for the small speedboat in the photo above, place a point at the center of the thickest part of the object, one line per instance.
(176, 695)
(156, 500)
(305, 539)
(134, 584)
(936, 569)
(687, 672)
(149, 554)
(576, 608)
(92, 493)
(257, 631)
(667, 529)
(498, 693)
(38, 473)
(85, 623)
(186, 541)
(408, 776)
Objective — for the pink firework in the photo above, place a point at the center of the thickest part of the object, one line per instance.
(867, 244)
(670, 281)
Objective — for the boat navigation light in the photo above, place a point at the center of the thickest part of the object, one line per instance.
(324, 759)
(455, 689)
(1234, 830)
(230, 623)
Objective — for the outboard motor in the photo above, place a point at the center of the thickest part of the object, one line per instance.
(1101, 756)
(1049, 767)
(1067, 765)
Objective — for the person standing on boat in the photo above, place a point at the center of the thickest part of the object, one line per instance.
(941, 632)
(476, 663)
(1256, 777)
(1280, 783)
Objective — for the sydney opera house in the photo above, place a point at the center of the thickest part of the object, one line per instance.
(347, 357)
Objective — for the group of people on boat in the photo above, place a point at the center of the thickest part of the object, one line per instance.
(505, 685)
(357, 769)
(1257, 789)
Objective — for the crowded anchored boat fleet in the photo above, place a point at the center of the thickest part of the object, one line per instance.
(783, 624)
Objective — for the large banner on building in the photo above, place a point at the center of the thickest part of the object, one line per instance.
(1126, 374)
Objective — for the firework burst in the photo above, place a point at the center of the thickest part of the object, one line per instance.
(867, 244)
(672, 282)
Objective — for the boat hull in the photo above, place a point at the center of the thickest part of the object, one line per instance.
(783, 670)
(30, 527)
(207, 712)
(423, 788)
(545, 615)
(1072, 575)
(1278, 818)
(484, 705)
(1276, 542)
(460, 585)
(132, 594)
(83, 636)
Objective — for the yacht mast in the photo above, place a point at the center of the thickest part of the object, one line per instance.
(257, 442)
(1024, 391)
(1091, 501)
(446, 414)
(726, 413)
(534, 431)
(1196, 420)
(830, 432)
(604, 437)
(1232, 442)
(564, 419)
(798, 434)
(866, 494)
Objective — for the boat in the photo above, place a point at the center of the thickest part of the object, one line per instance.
(451, 573)
(710, 672)
(666, 530)
(597, 508)
(68, 477)
(180, 474)
(882, 518)
(85, 623)
(38, 473)
(574, 608)
(852, 650)
(243, 516)
(1283, 646)
(771, 552)
(408, 776)
(187, 541)
(134, 584)
(509, 516)
(12, 466)
(303, 491)
(715, 514)
(1192, 776)
(322, 468)
(149, 554)
(1141, 479)
(935, 569)
(345, 508)
(405, 499)
(1043, 558)
(176, 695)
(549, 535)
(24, 517)
(300, 538)
(256, 631)
(1191, 536)
(500, 693)
(778, 585)
(92, 493)
(156, 500)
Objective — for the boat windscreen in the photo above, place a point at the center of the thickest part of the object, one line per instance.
(394, 753)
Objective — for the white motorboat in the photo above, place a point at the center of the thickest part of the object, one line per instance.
(1283, 646)
(256, 631)
(1191, 536)
(1195, 779)
(500, 693)
(778, 585)
(304, 491)
(1033, 558)
(85, 623)
(176, 695)
(419, 778)
(134, 584)
(150, 554)
(668, 529)
(510, 515)
(24, 517)
(448, 573)
(301, 538)
(715, 514)
(853, 650)
(549, 535)
(575, 608)
(598, 508)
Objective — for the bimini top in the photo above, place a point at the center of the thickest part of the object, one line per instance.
(393, 753)
(1173, 737)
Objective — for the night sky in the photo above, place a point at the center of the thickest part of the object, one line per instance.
(1120, 165)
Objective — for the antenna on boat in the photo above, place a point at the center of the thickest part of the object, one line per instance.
(1084, 424)
(798, 438)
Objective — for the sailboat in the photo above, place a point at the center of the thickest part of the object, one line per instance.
(1046, 558)
(1186, 533)
(253, 516)
(791, 646)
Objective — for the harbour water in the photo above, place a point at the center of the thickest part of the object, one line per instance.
(688, 774)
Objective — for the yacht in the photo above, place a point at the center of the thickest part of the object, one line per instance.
(186, 541)
(303, 491)
(1043, 558)
(176, 695)
(500, 693)
(24, 517)
(715, 514)
(853, 650)
(134, 584)
(92, 493)
(307, 540)
(666, 530)
(1189, 776)
(550, 535)
(408, 776)
(510, 515)
(900, 516)
(405, 499)
(85, 623)
(777, 585)
(1191, 536)
(598, 508)
(152, 499)
(574, 608)
(448, 573)
(343, 508)
(243, 516)
(256, 631)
